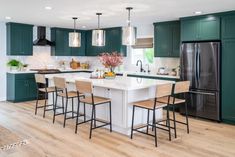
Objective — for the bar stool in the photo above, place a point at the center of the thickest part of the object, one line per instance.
(86, 88)
(163, 90)
(181, 87)
(61, 91)
(43, 90)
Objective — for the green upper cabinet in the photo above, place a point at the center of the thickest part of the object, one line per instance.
(228, 26)
(200, 28)
(60, 38)
(19, 39)
(113, 42)
(167, 39)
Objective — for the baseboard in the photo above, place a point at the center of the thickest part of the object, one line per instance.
(3, 99)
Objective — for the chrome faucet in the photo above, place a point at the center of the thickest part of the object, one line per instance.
(141, 65)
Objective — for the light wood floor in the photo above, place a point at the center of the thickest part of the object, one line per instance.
(206, 139)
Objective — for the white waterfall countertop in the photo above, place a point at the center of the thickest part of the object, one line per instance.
(120, 82)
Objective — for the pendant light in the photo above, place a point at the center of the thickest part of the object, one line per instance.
(74, 37)
(129, 32)
(98, 35)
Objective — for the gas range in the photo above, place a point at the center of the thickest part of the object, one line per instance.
(46, 71)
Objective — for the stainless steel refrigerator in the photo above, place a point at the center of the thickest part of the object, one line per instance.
(200, 64)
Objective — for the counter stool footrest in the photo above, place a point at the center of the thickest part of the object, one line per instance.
(105, 124)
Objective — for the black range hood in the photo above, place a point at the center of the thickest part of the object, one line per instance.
(41, 37)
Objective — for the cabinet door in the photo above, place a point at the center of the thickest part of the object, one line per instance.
(21, 90)
(19, 39)
(79, 51)
(32, 88)
(190, 30)
(228, 79)
(27, 40)
(58, 36)
(67, 49)
(163, 40)
(209, 28)
(175, 40)
(228, 26)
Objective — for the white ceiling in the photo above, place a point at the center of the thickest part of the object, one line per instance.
(114, 14)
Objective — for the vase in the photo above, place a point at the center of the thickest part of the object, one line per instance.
(14, 68)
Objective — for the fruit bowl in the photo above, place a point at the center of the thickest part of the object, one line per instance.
(109, 75)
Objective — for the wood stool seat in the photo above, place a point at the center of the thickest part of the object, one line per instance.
(172, 101)
(70, 94)
(149, 104)
(97, 100)
(47, 89)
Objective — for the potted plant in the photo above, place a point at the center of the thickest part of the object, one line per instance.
(14, 64)
(111, 61)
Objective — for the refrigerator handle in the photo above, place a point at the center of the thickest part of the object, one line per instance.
(199, 63)
(196, 58)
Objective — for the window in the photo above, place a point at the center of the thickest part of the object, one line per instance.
(144, 54)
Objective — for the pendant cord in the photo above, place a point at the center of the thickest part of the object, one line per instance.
(98, 21)
(129, 17)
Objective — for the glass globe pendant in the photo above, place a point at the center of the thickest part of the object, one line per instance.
(129, 32)
(98, 35)
(74, 37)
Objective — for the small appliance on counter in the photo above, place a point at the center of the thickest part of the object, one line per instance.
(162, 71)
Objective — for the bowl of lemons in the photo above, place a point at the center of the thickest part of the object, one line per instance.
(109, 75)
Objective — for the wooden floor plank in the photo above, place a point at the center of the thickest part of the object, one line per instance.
(206, 138)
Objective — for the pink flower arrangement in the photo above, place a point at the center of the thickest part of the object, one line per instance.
(111, 60)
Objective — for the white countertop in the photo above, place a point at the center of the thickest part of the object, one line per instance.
(148, 74)
(90, 70)
(22, 72)
(120, 82)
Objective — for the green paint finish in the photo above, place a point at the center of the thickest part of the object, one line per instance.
(228, 26)
(60, 38)
(19, 39)
(167, 39)
(113, 42)
(200, 28)
(228, 79)
(21, 87)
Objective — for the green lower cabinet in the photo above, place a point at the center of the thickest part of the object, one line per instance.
(113, 42)
(21, 87)
(228, 79)
(167, 39)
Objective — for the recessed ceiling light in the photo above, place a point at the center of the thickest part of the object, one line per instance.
(48, 8)
(7, 17)
(198, 12)
(83, 26)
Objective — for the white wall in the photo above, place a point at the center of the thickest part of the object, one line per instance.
(3, 60)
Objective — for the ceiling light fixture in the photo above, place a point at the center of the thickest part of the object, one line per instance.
(48, 8)
(129, 32)
(7, 17)
(74, 37)
(197, 12)
(98, 35)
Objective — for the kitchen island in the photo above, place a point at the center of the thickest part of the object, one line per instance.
(122, 91)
